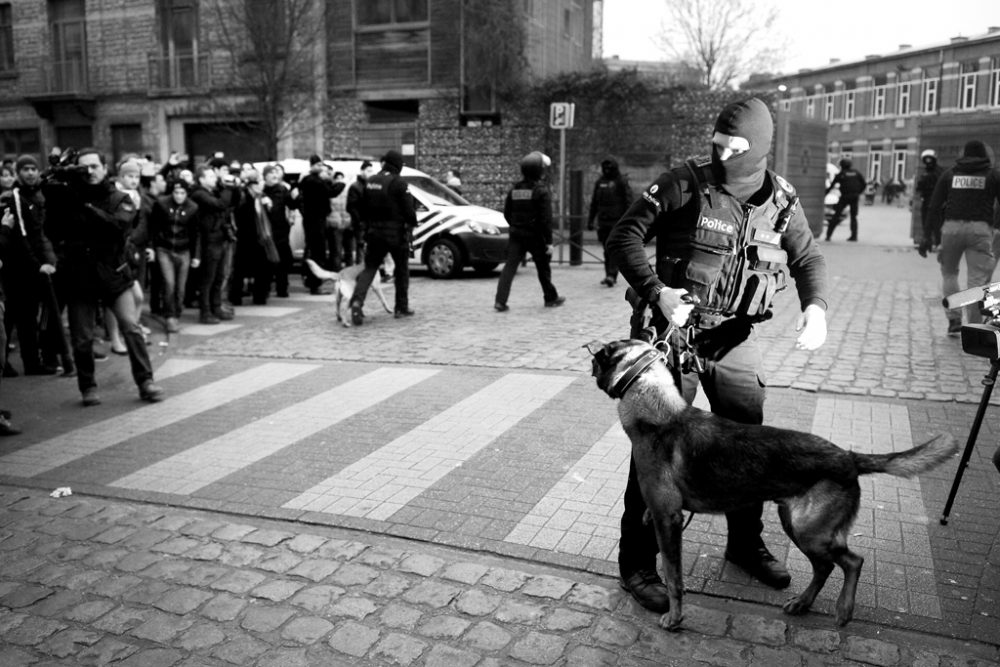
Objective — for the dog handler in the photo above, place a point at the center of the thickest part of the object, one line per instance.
(726, 231)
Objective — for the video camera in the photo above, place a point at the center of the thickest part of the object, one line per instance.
(981, 340)
(63, 167)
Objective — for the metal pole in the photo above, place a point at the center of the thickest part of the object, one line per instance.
(562, 188)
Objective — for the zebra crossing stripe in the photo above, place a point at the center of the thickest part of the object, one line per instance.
(199, 466)
(581, 514)
(384, 481)
(177, 366)
(68, 447)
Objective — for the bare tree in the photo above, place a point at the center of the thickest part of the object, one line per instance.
(494, 42)
(272, 45)
(725, 40)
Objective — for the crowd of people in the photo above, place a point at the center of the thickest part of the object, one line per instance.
(92, 253)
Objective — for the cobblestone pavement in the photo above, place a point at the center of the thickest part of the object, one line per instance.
(446, 489)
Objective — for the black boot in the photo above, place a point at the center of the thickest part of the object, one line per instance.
(758, 562)
(647, 589)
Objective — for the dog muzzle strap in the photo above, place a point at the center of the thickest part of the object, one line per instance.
(645, 360)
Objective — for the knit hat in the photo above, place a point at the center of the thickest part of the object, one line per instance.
(975, 148)
(314, 159)
(394, 160)
(26, 161)
(746, 125)
(129, 167)
(179, 183)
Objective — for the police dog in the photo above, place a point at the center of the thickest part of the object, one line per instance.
(343, 285)
(690, 459)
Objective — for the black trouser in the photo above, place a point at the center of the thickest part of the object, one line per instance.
(838, 210)
(212, 276)
(734, 386)
(375, 252)
(23, 301)
(82, 323)
(603, 232)
(283, 267)
(315, 233)
(517, 248)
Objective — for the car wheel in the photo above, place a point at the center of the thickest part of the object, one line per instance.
(444, 258)
(485, 268)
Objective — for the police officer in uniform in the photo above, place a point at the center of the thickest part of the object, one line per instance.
(528, 211)
(852, 184)
(97, 221)
(612, 197)
(387, 207)
(726, 231)
(961, 212)
(925, 190)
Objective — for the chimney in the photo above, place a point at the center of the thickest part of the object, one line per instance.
(993, 29)
(960, 38)
(873, 56)
(903, 47)
(834, 61)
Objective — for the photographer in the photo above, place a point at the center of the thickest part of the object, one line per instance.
(215, 201)
(95, 221)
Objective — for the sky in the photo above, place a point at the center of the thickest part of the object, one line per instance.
(816, 32)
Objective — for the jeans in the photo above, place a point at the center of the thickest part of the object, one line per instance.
(734, 386)
(83, 321)
(174, 268)
(974, 239)
(518, 246)
(213, 258)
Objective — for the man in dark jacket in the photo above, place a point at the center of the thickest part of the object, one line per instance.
(726, 231)
(173, 231)
(281, 201)
(355, 195)
(612, 197)
(925, 189)
(961, 211)
(7, 224)
(852, 184)
(215, 202)
(316, 190)
(528, 211)
(387, 207)
(97, 223)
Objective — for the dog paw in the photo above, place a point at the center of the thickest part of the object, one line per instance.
(795, 607)
(671, 622)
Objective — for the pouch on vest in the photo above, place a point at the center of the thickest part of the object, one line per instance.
(710, 250)
(764, 279)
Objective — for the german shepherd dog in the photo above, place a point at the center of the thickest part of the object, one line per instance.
(343, 285)
(690, 459)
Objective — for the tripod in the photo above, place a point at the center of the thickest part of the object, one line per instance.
(988, 383)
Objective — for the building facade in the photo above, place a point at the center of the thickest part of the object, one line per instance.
(884, 110)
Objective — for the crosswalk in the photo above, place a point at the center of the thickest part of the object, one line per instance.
(391, 444)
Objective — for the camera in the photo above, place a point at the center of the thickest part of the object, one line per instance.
(63, 167)
(980, 340)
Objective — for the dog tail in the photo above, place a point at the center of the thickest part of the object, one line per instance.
(319, 271)
(911, 462)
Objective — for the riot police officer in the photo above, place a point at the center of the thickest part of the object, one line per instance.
(528, 211)
(387, 207)
(612, 197)
(726, 230)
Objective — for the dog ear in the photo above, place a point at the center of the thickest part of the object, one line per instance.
(594, 347)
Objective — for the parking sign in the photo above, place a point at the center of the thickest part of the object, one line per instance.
(561, 115)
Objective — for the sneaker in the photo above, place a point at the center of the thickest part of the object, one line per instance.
(89, 397)
(404, 312)
(357, 315)
(852, 238)
(760, 564)
(646, 587)
(208, 318)
(6, 428)
(120, 351)
(150, 392)
(173, 326)
(100, 355)
(501, 307)
(609, 281)
(954, 327)
(556, 302)
(225, 314)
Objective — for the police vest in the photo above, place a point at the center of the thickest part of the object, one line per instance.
(522, 206)
(726, 254)
(971, 196)
(609, 200)
(381, 212)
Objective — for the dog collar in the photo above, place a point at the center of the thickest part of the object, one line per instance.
(645, 360)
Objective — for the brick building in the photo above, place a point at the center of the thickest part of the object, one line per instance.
(885, 109)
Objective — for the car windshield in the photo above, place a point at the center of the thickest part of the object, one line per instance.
(437, 193)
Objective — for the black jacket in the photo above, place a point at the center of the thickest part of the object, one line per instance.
(967, 191)
(528, 209)
(851, 183)
(387, 208)
(612, 195)
(281, 203)
(214, 216)
(173, 227)
(316, 193)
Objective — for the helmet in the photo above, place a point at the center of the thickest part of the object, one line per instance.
(928, 153)
(845, 164)
(534, 164)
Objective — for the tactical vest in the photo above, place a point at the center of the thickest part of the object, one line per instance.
(522, 206)
(727, 254)
(381, 212)
(609, 200)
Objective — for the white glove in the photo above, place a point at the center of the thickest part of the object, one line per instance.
(812, 324)
(673, 307)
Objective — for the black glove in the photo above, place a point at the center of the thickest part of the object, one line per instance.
(924, 247)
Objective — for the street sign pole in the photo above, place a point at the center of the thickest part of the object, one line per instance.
(562, 189)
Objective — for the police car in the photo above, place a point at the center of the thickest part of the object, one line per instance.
(451, 233)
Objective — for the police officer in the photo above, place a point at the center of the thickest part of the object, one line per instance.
(387, 207)
(528, 211)
(961, 211)
(726, 230)
(612, 197)
(98, 219)
(925, 189)
(852, 184)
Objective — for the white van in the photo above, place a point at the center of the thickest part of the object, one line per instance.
(451, 233)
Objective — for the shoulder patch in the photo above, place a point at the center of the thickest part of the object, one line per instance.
(520, 194)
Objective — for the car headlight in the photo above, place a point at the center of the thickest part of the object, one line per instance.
(484, 228)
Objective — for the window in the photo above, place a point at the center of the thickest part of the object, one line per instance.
(849, 105)
(930, 95)
(811, 106)
(69, 46)
(379, 12)
(878, 102)
(899, 161)
(995, 82)
(178, 68)
(6, 38)
(967, 86)
(875, 164)
(828, 107)
(18, 142)
(903, 100)
(126, 139)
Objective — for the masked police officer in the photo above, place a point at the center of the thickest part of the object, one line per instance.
(387, 207)
(528, 211)
(726, 231)
(612, 197)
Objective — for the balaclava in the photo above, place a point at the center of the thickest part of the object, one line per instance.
(845, 164)
(743, 175)
(975, 148)
(609, 168)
